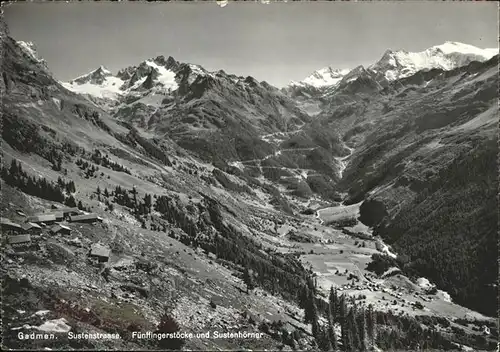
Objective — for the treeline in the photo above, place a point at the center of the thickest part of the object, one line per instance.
(380, 263)
(248, 175)
(129, 199)
(360, 328)
(228, 184)
(90, 115)
(55, 158)
(277, 274)
(88, 168)
(150, 148)
(357, 325)
(15, 176)
(364, 329)
(103, 160)
(126, 198)
(456, 211)
(25, 136)
(175, 215)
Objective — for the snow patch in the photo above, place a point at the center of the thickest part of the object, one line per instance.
(323, 77)
(109, 89)
(197, 71)
(166, 77)
(55, 326)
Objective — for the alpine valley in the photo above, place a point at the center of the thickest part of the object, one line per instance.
(355, 210)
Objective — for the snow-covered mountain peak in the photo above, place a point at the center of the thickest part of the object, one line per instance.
(163, 77)
(97, 76)
(98, 83)
(326, 76)
(155, 74)
(450, 47)
(393, 65)
(103, 70)
(399, 64)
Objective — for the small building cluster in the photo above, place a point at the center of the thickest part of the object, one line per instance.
(53, 222)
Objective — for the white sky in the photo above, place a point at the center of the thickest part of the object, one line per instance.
(277, 43)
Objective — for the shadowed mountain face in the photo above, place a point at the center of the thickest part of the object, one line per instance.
(56, 137)
(425, 150)
(212, 114)
(416, 146)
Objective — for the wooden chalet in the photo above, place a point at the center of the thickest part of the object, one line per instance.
(67, 212)
(31, 228)
(100, 252)
(20, 241)
(9, 227)
(43, 218)
(87, 218)
(60, 229)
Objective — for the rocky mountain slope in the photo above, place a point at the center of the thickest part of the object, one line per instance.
(424, 149)
(217, 116)
(207, 186)
(220, 118)
(178, 245)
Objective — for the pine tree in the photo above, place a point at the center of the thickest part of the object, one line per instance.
(308, 308)
(134, 192)
(80, 205)
(344, 327)
(14, 170)
(70, 201)
(125, 199)
(353, 328)
(303, 297)
(363, 334)
(106, 193)
(332, 337)
(98, 190)
(323, 340)
(333, 304)
(370, 327)
(148, 202)
(248, 279)
(315, 328)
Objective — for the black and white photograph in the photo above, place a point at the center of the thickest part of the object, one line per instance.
(249, 175)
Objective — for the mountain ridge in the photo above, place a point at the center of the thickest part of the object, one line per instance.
(394, 65)
(225, 185)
